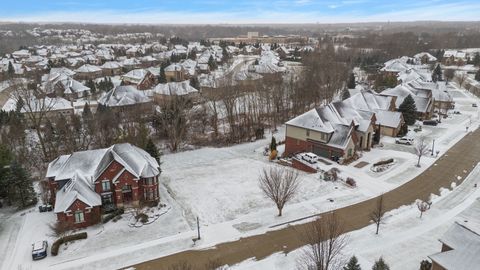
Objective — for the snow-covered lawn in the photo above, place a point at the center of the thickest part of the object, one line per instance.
(405, 239)
(219, 185)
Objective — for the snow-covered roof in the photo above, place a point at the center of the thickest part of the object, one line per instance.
(135, 76)
(402, 91)
(175, 89)
(81, 170)
(87, 68)
(111, 65)
(47, 103)
(311, 120)
(123, 95)
(425, 54)
(465, 243)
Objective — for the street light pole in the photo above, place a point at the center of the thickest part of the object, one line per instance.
(433, 146)
(198, 229)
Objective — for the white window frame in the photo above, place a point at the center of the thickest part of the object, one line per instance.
(106, 182)
(79, 214)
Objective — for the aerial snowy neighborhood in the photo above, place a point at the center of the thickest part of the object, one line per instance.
(287, 139)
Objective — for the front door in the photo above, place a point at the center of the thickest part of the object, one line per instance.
(127, 193)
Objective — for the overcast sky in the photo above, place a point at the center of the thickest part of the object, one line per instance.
(237, 11)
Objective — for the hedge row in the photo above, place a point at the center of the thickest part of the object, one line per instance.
(110, 216)
(383, 162)
(56, 245)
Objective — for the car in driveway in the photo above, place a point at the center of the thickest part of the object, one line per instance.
(39, 250)
(404, 140)
(474, 105)
(430, 122)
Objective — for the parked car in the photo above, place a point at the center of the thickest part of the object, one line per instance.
(404, 140)
(430, 122)
(474, 105)
(417, 128)
(39, 250)
(45, 208)
(310, 158)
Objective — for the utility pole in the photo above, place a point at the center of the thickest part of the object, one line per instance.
(198, 229)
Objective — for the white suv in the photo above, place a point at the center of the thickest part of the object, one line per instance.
(404, 140)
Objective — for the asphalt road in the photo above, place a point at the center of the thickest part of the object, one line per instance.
(458, 161)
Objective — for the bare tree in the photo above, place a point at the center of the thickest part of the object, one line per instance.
(324, 241)
(423, 207)
(280, 185)
(461, 78)
(36, 110)
(378, 212)
(174, 121)
(44, 192)
(421, 148)
(61, 229)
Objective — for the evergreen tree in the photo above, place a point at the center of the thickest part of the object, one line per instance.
(345, 94)
(476, 59)
(11, 69)
(211, 63)
(352, 264)
(5, 160)
(162, 78)
(477, 75)
(273, 144)
(19, 105)
(194, 83)
(351, 81)
(22, 184)
(425, 265)
(192, 54)
(437, 74)
(87, 113)
(380, 265)
(408, 110)
(152, 150)
(91, 84)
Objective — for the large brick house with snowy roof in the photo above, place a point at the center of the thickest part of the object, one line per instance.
(85, 184)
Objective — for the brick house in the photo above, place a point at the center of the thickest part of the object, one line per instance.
(86, 184)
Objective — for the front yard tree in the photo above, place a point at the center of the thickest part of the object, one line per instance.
(378, 212)
(380, 265)
(449, 74)
(351, 81)
(352, 264)
(324, 239)
(10, 69)
(273, 144)
(423, 207)
(162, 78)
(408, 110)
(421, 148)
(477, 75)
(280, 185)
(211, 63)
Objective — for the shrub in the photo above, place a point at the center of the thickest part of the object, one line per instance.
(351, 182)
(56, 245)
(383, 162)
(142, 217)
(108, 217)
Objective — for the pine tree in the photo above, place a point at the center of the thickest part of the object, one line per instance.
(91, 84)
(162, 78)
(11, 69)
(22, 184)
(211, 63)
(5, 160)
(152, 150)
(477, 75)
(437, 74)
(408, 110)
(273, 144)
(352, 264)
(351, 81)
(476, 60)
(345, 94)
(380, 265)
(87, 113)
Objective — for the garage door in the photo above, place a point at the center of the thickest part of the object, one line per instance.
(321, 152)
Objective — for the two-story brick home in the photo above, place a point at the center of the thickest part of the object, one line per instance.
(85, 184)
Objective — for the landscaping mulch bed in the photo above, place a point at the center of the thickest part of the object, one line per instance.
(361, 164)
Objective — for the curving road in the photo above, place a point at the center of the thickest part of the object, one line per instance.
(458, 161)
